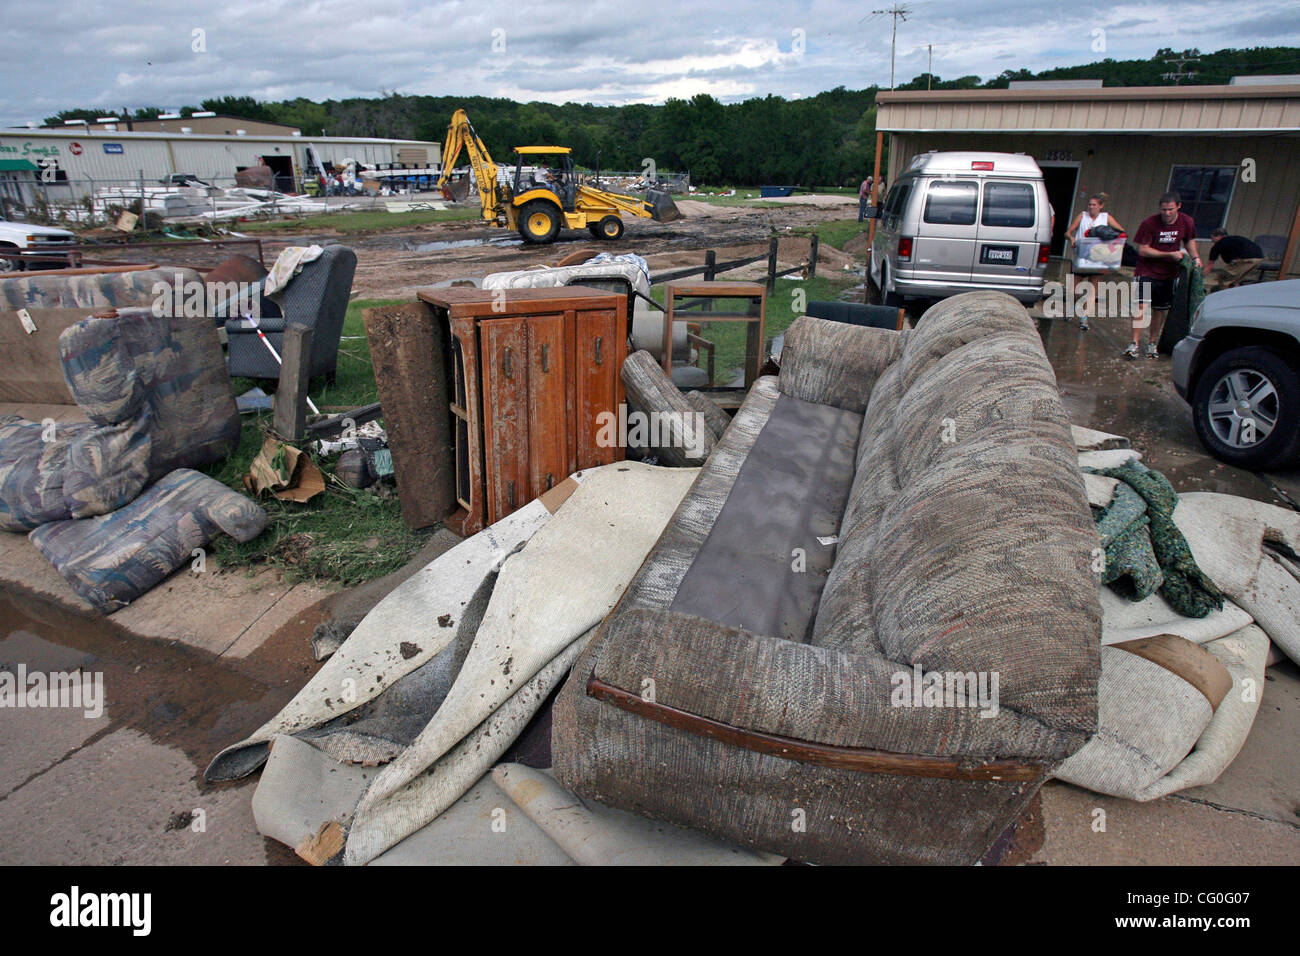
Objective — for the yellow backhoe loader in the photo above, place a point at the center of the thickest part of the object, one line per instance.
(548, 198)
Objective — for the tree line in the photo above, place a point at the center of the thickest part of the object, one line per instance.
(822, 140)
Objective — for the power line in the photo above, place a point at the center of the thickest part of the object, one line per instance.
(1182, 60)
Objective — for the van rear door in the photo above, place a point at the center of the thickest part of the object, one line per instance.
(1007, 239)
(944, 249)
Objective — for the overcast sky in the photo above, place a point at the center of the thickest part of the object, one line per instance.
(132, 53)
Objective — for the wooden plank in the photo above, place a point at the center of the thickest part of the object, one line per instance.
(719, 290)
(813, 245)
(409, 346)
(772, 246)
(289, 413)
(861, 760)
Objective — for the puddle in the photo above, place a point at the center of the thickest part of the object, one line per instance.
(459, 244)
(178, 696)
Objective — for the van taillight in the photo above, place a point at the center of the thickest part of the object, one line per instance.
(905, 249)
(1043, 252)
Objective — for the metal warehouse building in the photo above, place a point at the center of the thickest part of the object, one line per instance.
(80, 160)
(1232, 152)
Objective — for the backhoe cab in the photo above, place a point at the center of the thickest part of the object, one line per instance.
(545, 195)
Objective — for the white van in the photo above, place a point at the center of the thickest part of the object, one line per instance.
(959, 221)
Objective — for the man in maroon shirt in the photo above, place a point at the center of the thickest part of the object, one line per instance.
(1162, 240)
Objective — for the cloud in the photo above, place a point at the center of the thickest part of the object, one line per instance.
(102, 54)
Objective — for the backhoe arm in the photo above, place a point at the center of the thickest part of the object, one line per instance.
(461, 135)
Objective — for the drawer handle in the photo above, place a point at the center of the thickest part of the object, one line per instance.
(510, 494)
(549, 481)
(599, 342)
(507, 365)
(546, 358)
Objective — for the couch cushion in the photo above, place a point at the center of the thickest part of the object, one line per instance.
(100, 373)
(113, 559)
(180, 369)
(762, 567)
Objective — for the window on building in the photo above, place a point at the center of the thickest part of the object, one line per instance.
(1008, 204)
(951, 203)
(1206, 192)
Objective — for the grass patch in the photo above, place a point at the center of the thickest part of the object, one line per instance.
(371, 220)
(344, 535)
(835, 232)
(728, 338)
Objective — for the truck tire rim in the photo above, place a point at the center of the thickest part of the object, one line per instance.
(1243, 408)
(539, 223)
(611, 229)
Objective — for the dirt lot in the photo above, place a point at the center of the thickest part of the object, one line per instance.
(392, 265)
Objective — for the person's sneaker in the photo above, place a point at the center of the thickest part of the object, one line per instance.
(1083, 324)
(1151, 351)
(1132, 351)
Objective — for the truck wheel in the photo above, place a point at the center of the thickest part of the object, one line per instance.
(10, 264)
(1246, 408)
(539, 221)
(609, 228)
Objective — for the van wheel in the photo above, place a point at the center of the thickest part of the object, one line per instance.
(539, 221)
(1246, 408)
(888, 295)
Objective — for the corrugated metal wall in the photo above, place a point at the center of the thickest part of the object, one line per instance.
(1135, 169)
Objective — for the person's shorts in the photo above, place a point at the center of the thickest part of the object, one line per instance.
(1158, 292)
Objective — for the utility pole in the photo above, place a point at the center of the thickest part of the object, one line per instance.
(899, 12)
(1182, 60)
(929, 66)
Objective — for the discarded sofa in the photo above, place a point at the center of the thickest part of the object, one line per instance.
(895, 506)
(158, 398)
(316, 297)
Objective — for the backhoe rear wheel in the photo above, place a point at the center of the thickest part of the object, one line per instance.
(610, 228)
(539, 221)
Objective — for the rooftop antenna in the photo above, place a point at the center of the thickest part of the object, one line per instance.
(899, 12)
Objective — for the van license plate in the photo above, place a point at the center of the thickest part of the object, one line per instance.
(998, 255)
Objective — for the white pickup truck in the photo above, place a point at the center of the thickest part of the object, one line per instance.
(17, 237)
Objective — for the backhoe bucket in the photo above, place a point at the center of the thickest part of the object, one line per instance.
(661, 205)
(456, 190)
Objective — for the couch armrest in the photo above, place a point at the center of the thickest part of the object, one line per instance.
(807, 703)
(833, 363)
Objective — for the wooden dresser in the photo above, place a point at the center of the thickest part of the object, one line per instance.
(528, 372)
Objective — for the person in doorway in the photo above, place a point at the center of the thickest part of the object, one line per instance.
(864, 197)
(1163, 241)
(1232, 258)
(1078, 234)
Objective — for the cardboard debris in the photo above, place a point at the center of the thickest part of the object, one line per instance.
(284, 471)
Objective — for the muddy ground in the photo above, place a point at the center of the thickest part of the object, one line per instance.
(392, 265)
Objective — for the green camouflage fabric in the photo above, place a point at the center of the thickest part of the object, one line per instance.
(158, 397)
(1145, 551)
(96, 291)
(113, 559)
